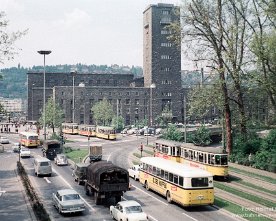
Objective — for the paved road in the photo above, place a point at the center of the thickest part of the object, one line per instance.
(118, 152)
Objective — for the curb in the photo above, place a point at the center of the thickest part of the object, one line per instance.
(26, 198)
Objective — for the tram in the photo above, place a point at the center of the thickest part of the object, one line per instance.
(87, 130)
(107, 133)
(70, 128)
(211, 159)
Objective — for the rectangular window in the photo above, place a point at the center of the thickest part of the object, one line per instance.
(200, 182)
(175, 179)
(165, 12)
(162, 174)
(136, 111)
(127, 101)
(171, 177)
(166, 175)
(136, 101)
(180, 181)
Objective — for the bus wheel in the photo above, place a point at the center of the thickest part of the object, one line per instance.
(147, 185)
(168, 195)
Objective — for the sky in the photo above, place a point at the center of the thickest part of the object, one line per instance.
(101, 32)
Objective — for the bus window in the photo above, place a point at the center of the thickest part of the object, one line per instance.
(200, 157)
(166, 175)
(200, 182)
(150, 168)
(178, 151)
(224, 159)
(180, 181)
(191, 155)
(173, 151)
(158, 172)
(154, 170)
(171, 177)
(205, 158)
(162, 174)
(217, 160)
(186, 154)
(175, 179)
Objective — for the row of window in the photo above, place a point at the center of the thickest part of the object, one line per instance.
(166, 69)
(207, 158)
(167, 94)
(136, 93)
(166, 82)
(166, 44)
(173, 178)
(166, 57)
(166, 32)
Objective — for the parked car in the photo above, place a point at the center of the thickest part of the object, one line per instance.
(132, 131)
(15, 147)
(124, 131)
(134, 172)
(68, 201)
(4, 140)
(149, 131)
(61, 159)
(25, 153)
(158, 131)
(128, 210)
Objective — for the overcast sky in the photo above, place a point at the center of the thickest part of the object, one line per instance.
(101, 32)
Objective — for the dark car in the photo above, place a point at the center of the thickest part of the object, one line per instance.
(79, 172)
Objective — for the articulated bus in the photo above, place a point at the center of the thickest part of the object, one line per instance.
(212, 159)
(70, 128)
(87, 130)
(29, 139)
(107, 133)
(179, 183)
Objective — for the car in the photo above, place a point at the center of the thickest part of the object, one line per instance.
(61, 159)
(158, 131)
(134, 172)
(132, 131)
(128, 210)
(124, 131)
(15, 147)
(4, 140)
(25, 153)
(68, 201)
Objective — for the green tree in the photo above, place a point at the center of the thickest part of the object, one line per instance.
(103, 112)
(165, 117)
(202, 136)
(54, 115)
(118, 123)
(172, 133)
(7, 40)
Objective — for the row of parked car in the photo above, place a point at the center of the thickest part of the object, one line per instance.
(146, 131)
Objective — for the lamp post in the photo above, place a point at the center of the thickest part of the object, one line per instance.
(74, 73)
(44, 53)
(33, 101)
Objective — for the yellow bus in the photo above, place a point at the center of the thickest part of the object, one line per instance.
(212, 159)
(107, 133)
(29, 139)
(177, 182)
(87, 130)
(70, 128)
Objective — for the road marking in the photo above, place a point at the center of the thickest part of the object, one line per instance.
(1, 192)
(150, 195)
(68, 184)
(108, 157)
(190, 217)
(48, 181)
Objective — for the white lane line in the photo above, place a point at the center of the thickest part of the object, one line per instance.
(108, 157)
(190, 217)
(150, 195)
(48, 181)
(68, 184)
(151, 217)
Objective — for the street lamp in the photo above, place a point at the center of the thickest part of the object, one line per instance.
(74, 73)
(44, 53)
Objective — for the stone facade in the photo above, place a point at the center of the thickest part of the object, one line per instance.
(133, 99)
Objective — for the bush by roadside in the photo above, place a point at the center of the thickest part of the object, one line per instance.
(38, 208)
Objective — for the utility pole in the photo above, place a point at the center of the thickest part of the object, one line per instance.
(185, 123)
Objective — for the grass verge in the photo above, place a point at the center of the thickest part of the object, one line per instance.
(38, 208)
(239, 211)
(247, 196)
(262, 177)
(77, 155)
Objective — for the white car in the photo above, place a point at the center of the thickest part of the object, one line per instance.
(25, 153)
(132, 131)
(128, 210)
(4, 140)
(134, 172)
(15, 147)
(61, 159)
(68, 201)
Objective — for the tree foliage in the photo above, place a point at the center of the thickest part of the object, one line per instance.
(103, 113)
(202, 136)
(165, 117)
(54, 115)
(7, 40)
(172, 133)
(118, 123)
